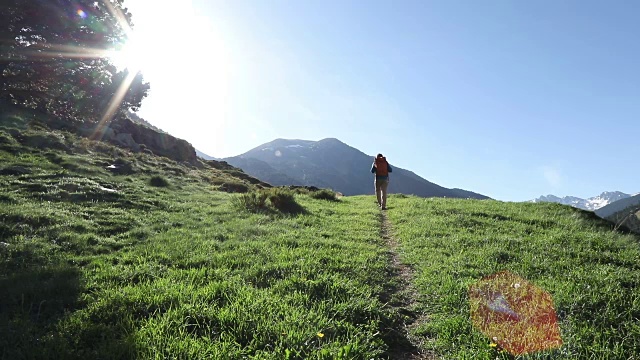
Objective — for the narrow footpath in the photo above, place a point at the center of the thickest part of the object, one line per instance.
(403, 298)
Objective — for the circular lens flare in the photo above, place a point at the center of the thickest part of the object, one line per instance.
(81, 13)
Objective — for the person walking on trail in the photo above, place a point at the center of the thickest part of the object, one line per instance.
(382, 169)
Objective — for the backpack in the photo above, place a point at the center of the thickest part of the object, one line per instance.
(381, 166)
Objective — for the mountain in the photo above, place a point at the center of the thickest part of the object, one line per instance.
(624, 205)
(202, 155)
(330, 163)
(623, 213)
(592, 203)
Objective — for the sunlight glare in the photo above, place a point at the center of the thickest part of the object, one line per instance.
(184, 57)
(132, 55)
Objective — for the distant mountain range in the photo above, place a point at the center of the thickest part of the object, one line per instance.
(592, 203)
(622, 209)
(330, 163)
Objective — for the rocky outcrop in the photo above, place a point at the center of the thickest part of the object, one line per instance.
(126, 133)
(121, 131)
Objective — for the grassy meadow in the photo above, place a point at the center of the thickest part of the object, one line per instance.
(592, 273)
(106, 254)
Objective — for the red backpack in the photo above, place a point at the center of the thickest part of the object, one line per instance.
(381, 167)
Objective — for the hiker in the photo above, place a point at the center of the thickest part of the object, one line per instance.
(382, 169)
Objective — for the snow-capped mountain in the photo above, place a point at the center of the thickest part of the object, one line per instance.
(592, 203)
(630, 203)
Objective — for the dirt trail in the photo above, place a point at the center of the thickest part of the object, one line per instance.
(402, 297)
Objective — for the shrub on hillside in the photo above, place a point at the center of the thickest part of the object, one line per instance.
(51, 140)
(54, 157)
(254, 201)
(107, 148)
(228, 184)
(176, 170)
(158, 181)
(234, 187)
(284, 200)
(7, 140)
(300, 190)
(7, 198)
(324, 194)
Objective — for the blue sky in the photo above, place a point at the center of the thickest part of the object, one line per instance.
(511, 99)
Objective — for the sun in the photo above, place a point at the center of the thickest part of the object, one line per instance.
(164, 40)
(185, 57)
(133, 55)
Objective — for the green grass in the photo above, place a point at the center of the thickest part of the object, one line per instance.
(196, 281)
(96, 263)
(592, 273)
(97, 260)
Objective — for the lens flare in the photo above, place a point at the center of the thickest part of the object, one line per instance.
(514, 313)
(82, 52)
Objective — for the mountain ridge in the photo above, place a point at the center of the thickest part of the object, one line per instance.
(623, 213)
(331, 163)
(591, 204)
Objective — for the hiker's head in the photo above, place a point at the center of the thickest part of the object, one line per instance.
(379, 156)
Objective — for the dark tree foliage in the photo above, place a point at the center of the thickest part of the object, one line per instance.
(54, 57)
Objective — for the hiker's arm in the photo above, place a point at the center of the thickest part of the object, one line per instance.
(373, 168)
(389, 167)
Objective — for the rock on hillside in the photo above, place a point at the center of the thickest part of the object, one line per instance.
(121, 131)
(330, 163)
(127, 133)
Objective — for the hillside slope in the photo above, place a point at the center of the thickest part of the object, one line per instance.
(106, 253)
(110, 254)
(330, 163)
(591, 272)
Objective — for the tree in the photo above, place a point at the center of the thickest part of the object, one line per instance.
(54, 56)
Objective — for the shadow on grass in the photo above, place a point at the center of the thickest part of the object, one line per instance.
(32, 301)
(35, 306)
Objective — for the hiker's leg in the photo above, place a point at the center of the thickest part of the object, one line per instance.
(383, 187)
(377, 184)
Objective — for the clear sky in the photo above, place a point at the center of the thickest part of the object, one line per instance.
(511, 99)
